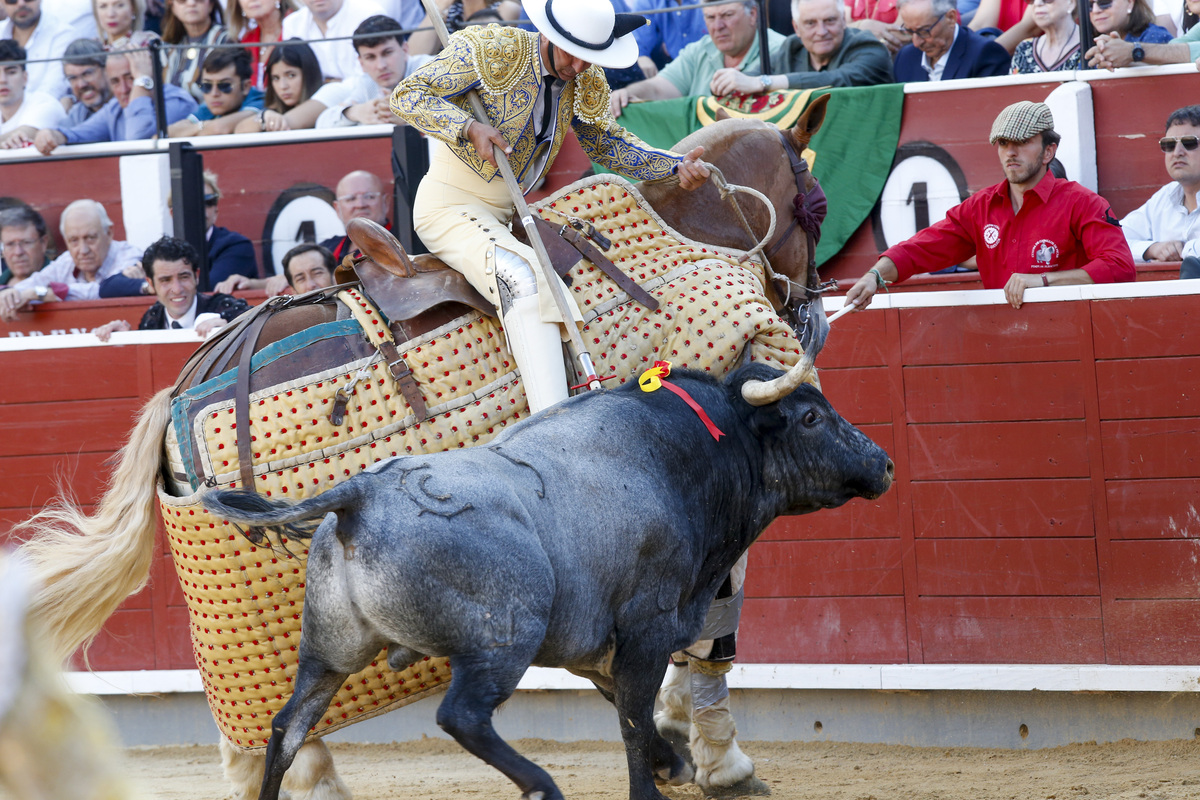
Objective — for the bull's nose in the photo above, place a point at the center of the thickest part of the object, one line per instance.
(891, 470)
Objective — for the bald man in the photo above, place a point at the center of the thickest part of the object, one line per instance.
(359, 194)
(92, 255)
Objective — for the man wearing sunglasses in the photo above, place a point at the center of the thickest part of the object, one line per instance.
(941, 49)
(1030, 230)
(229, 96)
(1167, 227)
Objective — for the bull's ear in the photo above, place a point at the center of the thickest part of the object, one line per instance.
(767, 420)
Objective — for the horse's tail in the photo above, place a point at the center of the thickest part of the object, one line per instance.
(85, 566)
(250, 508)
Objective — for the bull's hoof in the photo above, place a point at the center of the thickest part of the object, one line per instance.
(749, 786)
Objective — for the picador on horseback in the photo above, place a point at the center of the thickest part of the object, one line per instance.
(533, 86)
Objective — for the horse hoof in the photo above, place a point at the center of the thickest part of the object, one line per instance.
(679, 743)
(533, 796)
(749, 786)
(685, 776)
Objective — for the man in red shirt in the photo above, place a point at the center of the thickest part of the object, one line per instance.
(1030, 230)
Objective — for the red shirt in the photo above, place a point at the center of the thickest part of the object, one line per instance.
(882, 10)
(1061, 226)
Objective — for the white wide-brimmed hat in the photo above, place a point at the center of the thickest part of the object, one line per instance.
(588, 29)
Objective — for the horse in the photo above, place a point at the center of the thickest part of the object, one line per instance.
(88, 564)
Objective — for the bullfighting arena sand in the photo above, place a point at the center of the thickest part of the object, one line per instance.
(436, 770)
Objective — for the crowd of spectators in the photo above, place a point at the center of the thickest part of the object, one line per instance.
(249, 66)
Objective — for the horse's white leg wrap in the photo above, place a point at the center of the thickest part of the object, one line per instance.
(536, 345)
(243, 770)
(719, 760)
(674, 715)
(312, 776)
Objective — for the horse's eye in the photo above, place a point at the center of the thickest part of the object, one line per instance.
(811, 418)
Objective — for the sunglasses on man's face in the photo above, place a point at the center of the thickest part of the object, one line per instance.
(1168, 143)
(224, 87)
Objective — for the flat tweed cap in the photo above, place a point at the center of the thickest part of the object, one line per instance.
(1022, 121)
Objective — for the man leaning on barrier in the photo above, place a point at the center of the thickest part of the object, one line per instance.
(1029, 230)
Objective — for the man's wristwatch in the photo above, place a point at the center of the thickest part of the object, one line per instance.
(765, 80)
(1139, 53)
(41, 292)
(144, 81)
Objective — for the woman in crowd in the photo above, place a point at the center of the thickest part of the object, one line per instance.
(1132, 20)
(293, 76)
(1057, 48)
(456, 13)
(196, 24)
(1177, 16)
(116, 19)
(258, 22)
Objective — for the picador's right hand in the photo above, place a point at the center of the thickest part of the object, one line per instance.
(484, 138)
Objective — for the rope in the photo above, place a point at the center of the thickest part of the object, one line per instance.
(728, 190)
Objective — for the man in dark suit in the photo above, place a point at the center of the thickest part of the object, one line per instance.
(941, 49)
(170, 266)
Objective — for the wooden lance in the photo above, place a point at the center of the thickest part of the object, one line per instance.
(526, 217)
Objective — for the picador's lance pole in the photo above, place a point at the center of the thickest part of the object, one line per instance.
(526, 217)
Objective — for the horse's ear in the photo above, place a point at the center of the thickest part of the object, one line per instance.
(721, 114)
(810, 122)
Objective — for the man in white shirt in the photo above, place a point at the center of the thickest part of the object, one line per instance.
(331, 19)
(1167, 227)
(91, 256)
(22, 112)
(363, 99)
(75, 14)
(43, 37)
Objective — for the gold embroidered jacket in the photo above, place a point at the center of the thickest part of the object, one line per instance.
(504, 65)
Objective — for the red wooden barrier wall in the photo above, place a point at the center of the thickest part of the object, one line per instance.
(1048, 463)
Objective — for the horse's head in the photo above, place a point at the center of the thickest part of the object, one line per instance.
(752, 153)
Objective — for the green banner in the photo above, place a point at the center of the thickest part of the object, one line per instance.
(854, 148)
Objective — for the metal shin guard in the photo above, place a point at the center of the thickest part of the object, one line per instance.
(536, 345)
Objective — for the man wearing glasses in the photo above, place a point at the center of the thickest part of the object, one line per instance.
(129, 115)
(83, 67)
(1027, 231)
(941, 49)
(229, 96)
(359, 194)
(1167, 227)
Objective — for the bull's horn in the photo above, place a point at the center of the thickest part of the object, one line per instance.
(760, 393)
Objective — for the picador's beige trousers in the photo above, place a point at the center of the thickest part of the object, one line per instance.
(464, 220)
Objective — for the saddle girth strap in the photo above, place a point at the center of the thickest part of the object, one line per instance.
(592, 254)
(402, 374)
(241, 401)
(382, 337)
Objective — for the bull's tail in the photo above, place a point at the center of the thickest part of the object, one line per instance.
(299, 520)
(86, 565)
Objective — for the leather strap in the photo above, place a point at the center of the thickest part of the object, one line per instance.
(241, 401)
(404, 378)
(589, 251)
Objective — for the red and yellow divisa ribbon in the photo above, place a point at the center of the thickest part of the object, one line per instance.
(655, 377)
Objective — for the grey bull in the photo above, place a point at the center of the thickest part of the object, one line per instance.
(592, 537)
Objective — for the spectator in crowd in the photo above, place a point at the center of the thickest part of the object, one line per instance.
(1057, 47)
(732, 42)
(75, 14)
(171, 267)
(294, 77)
(196, 23)
(822, 52)
(359, 194)
(23, 243)
(363, 99)
(229, 252)
(1131, 21)
(1113, 51)
(258, 22)
(331, 19)
(306, 267)
(228, 96)
(670, 30)
(1029, 230)
(456, 14)
(83, 67)
(42, 37)
(941, 49)
(880, 19)
(92, 255)
(1177, 16)
(22, 112)
(118, 19)
(997, 14)
(1167, 226)
(129, 115)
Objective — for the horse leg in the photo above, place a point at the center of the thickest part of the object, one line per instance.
(316, 686)
(722, 769)
(673, 718)
(243, 770)
(312, 776)
(482, 681)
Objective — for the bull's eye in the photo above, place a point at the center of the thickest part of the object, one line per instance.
(811, 418)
